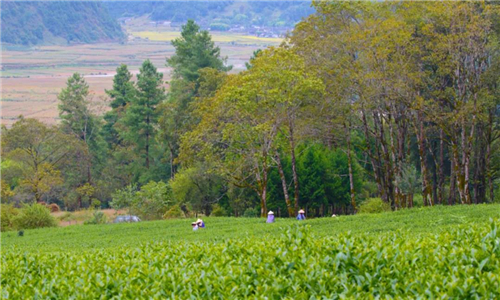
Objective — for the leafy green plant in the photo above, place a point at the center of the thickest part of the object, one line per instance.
(151, 202)
(219, 211)
(251, 213)
(97, 218)
(373, 205)
(174, 212)
(433, 252)
(9, 213)
(34, 216)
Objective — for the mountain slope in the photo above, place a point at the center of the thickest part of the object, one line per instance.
(31, 23)
(228, 13)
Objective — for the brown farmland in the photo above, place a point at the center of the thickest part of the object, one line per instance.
(33, 77)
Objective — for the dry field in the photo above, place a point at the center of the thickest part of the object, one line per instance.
(33, 77)
(78, 217)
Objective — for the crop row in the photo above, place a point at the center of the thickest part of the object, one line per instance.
(462, 263)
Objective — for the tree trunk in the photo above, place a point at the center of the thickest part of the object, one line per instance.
(285, 187)
(453, 180)
(171, 163)
(147, 143)
(375, 165)
(458, 174)
(294, 170)
(349, 162)
(441, 167)
(426, 189)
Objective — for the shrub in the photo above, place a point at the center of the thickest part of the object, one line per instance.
(373, 206)
(251, 213)
(8, 215)
(149, 203)
(219, 211)
(34, 216)
(174, 212)
(418, 200)
(97, 218)
(53, 207)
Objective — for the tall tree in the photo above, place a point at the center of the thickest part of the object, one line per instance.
(121, 95)
(194, 51)
(141, 114)
(78, 119)
(41, 151)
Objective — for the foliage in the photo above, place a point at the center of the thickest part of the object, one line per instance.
(194, 50)
(243, 13)
(174, 212)
(39, 151)
(34, 216)
(446, 252)
(123, 197)
(199, 188)
(98, 217)
(251, 213)
(373, 206)
(121, 95)
(151, 202)
(9, 214)
(141, 115)
(219, 211)
(6, 191)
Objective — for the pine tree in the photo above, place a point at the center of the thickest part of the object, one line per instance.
(141, 115)
(122, 94)
(195, 50)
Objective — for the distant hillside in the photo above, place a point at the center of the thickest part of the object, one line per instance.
(31, 23)
(219, 15)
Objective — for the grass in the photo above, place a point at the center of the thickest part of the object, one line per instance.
(439, 252)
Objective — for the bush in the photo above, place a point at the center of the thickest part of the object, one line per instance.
(251, 213)
(9, 213)
(34, 216)
(53, 207)
(174, 212)
(149, 203)
(97, 218)
(418, 200)
(373, 206)
(219, 211)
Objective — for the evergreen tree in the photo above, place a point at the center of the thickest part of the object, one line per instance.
(141, 115)
(195, 50)
(122, 93)
(78, 120)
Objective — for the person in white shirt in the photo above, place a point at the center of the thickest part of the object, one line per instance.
(195, 226)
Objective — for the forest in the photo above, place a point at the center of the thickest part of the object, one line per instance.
(396, 102)
(37, 22)
(212, 13)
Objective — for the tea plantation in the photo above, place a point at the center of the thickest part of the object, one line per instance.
(429, 253)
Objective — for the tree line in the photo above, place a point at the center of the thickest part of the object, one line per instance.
(392, 100)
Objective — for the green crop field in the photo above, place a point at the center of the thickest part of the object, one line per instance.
(431, 253)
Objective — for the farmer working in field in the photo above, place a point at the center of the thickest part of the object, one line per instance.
(200, 223)
(301, 215)
(270, 217)
(195, 226)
